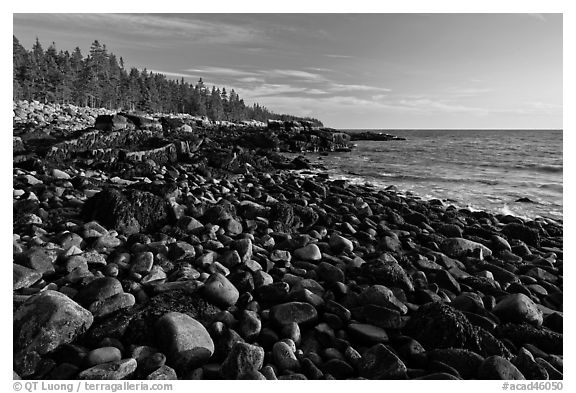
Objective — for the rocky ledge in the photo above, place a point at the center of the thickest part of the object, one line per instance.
(169, 265)
(374, 136)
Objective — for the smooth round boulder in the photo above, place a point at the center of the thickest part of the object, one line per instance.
(286, 313)
(496, 367)
(518, 308)
(186, 341)
(219, 291)
(340, 243)
(311, 253)
(456, 247)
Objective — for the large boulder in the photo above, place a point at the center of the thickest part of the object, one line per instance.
(129, 212)
(186, 341)
(47, 320)
(457, 247)
(438, 325)
(113, 123)
(518, 308)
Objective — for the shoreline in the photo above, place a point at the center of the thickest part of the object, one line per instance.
(266, 274)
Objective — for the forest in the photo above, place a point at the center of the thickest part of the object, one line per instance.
(100, 79)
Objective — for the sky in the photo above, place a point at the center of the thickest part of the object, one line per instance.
(348, 70)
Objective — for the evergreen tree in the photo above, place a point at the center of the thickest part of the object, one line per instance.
(99, 79)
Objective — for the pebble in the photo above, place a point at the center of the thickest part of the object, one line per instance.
(115, 370)
(163, 373)
(103, 355)
(242, 359)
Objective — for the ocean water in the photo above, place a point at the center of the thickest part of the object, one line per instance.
(479, 169)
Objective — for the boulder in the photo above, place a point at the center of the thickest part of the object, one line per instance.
(47, 320)
(186, 341)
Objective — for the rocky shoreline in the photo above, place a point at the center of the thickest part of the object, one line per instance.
(162, 248)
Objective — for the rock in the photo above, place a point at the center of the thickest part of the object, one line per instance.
(220, 291)
(48, 320)
(143, 262)
(383, 317)
(105, 307)
(163, 373)
(329, 273)
(103, 355)
(387, 271)
(438, 325)
(379, 362)
(186, 341)
(250, 325)
(23, 277)
(113, 123)
(37, 259)
(458, 247)
(244, 249)
(311, 253)
(286, 313)
(284, 357)
(242, 359)
(496, 367)
(99, 289)
(119, 369)
(58, 174)
(521, 334)
(232, 227)
(518, 308)
(522, 232)
(340, 244)
(462, 360)
(129, 212)
(382, 296)
(368, 333)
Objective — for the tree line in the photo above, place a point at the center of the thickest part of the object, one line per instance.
(100, 80)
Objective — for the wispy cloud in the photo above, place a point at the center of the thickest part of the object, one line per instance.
(339, 56)
(188, 27)
(348, 87)
(221, 71)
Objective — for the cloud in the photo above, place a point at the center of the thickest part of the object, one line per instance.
(347, 87)
(169, 28)
(221, 71)
(305, 75)
(340, 56)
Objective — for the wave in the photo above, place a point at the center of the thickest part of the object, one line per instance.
(541, 167)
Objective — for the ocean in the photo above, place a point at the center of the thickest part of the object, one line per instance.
(478, 169)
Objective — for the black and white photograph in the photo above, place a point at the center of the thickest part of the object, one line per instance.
(287, 196)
